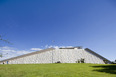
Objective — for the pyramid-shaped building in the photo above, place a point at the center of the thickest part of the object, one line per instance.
(60, 55)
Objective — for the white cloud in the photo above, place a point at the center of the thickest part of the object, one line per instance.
(35, 49)
(54, 46)
(9, 52)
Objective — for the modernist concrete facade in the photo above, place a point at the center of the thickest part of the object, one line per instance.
(61, 55)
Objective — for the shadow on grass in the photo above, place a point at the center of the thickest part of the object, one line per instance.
(106, 68)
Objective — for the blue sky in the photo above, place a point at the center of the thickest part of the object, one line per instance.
(39, 23)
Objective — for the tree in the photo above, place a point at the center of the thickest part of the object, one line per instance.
(1, 55)
(1, 39)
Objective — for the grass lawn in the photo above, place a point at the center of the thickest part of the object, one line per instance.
(58, 70)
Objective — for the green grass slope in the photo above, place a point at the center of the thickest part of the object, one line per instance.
(58, 70)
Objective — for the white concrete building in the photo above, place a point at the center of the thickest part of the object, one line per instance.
(61, 55)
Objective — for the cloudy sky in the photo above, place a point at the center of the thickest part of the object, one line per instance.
(32, 25)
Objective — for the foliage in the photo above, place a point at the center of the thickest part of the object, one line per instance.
(57, 70)
(1, 39)
(4, 40)
(1, 55)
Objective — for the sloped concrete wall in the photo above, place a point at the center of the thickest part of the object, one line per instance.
(62, 55)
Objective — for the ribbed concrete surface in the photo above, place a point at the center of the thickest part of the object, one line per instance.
(54, 55)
